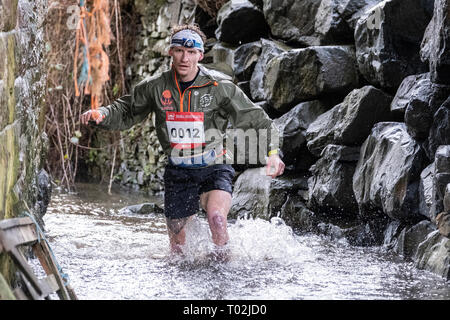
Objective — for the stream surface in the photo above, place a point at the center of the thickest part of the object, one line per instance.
(110, 255)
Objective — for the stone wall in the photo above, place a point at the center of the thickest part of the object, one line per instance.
(22, 87)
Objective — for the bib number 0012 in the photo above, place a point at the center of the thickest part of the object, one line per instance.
(181, 133)
(186, 129)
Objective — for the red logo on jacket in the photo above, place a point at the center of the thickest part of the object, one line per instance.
(166, 99)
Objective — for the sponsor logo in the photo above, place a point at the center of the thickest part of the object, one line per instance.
(166, 98)
(205, 100)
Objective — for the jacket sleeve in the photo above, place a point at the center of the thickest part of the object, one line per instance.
(244, 114)
(128, 110)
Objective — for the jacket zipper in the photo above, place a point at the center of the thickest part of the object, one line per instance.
(189, 97)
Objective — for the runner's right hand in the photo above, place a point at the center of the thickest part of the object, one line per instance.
(92, 115)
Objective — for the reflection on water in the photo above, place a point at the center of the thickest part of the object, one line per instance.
(112, 256)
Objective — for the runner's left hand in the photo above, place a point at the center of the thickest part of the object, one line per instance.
(275, 166)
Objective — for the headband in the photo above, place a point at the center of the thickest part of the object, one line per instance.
(188, 39)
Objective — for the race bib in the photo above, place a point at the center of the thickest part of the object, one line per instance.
(186, 129)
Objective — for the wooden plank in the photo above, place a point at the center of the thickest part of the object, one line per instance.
(5, 291)
(18, 235)
(31, 288)
(15, 222)
(22, 264)
(62, 293)
(39, 253)
(50, 281)
(71, 292)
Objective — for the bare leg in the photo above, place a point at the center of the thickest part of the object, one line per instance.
(217, 204)
(177, 234)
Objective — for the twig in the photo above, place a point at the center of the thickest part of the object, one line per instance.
(112, 170)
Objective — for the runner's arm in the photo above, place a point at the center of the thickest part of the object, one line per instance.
(128, 110)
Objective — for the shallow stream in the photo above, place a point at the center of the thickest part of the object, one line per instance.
(109, 255)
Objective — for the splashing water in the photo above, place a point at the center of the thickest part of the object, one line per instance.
(108, 255)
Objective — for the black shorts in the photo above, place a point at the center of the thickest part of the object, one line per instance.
(183, 187)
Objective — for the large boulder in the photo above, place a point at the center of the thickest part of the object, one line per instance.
(330, 185)
(315, 22)
(387, 40)
(240, 21)
(403, 94)
(425, 98)
(436, 41)
(292, 20)
(270, 49)
(297, 215)
(306, 74)
(439, 133)
(426, 191)
(245, 59)
(410, 238)
(447, 198)
(292, 126)
(257, 195)
(433, 254)
(386, 179)
(441, 178)
(350, 122)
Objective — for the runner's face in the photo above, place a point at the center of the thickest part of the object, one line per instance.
(185, 61)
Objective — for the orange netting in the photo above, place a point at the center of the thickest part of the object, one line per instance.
(94, 33)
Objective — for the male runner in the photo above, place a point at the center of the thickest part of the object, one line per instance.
(189, 101)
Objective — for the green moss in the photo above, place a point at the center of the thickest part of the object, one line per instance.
(11, 76)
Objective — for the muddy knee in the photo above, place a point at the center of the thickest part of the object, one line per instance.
(218, 221)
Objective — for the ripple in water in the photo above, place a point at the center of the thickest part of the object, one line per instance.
(109, 256)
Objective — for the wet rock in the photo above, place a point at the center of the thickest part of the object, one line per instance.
(424, 99)
(350, 122)
(143, 208)
(426, 191)
(434, 47)
(439, 133)
(311, 22)
(365, 234)
(330, 186)
(270, 49)
(410, 238)
(441, 178)
(433, 254)
(239, 21)
(443, 223)
(257, 195)
(319, 133)
(391, 234)
(332, 231)
(296, 214)
(387, 40)
(223, 58)
(44, 188)
(245, 59)
(292, 126)
(306, 74)
(271, 112)
(386, 179)
(403, 94)
(447, 199)
(292, 20)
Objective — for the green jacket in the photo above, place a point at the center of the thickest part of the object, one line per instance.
(219, 99)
